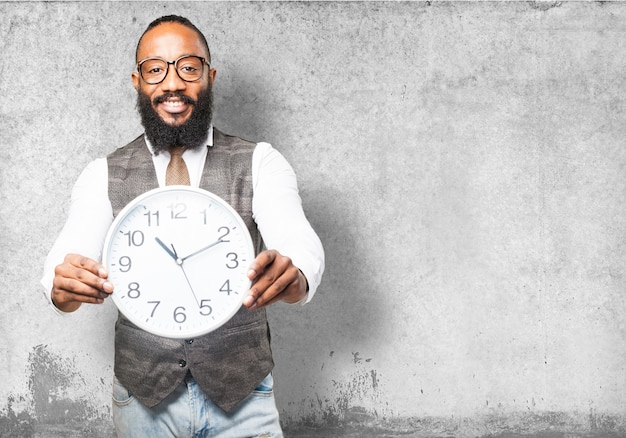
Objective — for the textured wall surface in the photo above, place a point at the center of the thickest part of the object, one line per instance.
(462, 162)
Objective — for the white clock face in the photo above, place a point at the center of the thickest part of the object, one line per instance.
(178, 257)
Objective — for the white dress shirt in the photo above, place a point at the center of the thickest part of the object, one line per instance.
(276, 209)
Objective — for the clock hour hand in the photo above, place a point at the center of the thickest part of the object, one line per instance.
(169, 251)
(201, 249)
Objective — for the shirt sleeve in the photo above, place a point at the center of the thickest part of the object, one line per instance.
(277, 211)
(89, 218)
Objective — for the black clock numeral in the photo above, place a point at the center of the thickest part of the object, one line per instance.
(204, 214)
(233, 261)
(179, 315)
(135, 238)
(205, 309)
(177, 210)
(226, 232)
(156, 304)
(125, 263)
(133, 290)
(150, 215)
(226, 288)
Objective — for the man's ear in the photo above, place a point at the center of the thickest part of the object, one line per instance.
(212, 75)
(136, 79)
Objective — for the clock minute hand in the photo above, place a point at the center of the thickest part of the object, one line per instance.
(169, 251)
(201, 249)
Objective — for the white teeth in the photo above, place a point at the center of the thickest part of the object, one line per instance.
(173, 103)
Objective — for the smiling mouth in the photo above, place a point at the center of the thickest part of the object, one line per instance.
(174, 107)
(174, 103)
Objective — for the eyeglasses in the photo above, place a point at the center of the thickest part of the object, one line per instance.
(189, 68)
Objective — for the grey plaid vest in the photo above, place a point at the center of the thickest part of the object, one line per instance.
(228, 363)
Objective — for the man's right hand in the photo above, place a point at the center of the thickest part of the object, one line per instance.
(79, 280)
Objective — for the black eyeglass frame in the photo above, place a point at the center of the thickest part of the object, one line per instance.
(167, 67)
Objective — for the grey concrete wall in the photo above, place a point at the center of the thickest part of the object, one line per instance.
(463, 164)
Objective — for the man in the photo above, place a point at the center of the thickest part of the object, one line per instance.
(156, 393)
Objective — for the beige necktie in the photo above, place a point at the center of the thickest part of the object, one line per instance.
(176, 173)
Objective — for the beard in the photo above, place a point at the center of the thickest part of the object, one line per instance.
(191, 134)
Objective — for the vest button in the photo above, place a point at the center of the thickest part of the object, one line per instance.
(182, 363)
(189, 341)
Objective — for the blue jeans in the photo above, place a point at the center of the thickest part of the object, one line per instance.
(188, 412)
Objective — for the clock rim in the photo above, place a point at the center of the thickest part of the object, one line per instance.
(134, 203)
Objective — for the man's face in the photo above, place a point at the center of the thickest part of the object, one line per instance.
(170, 41)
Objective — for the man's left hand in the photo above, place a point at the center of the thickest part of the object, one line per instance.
(274, 278)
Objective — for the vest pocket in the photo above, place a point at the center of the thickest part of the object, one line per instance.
(121, 396)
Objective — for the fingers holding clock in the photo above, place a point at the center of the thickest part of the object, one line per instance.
(79, 280)
(274, 278)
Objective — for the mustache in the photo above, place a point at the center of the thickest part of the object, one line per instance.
(183, 98)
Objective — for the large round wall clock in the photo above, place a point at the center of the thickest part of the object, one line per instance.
(178, 257)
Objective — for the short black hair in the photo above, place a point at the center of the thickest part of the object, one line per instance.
(180, 20)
